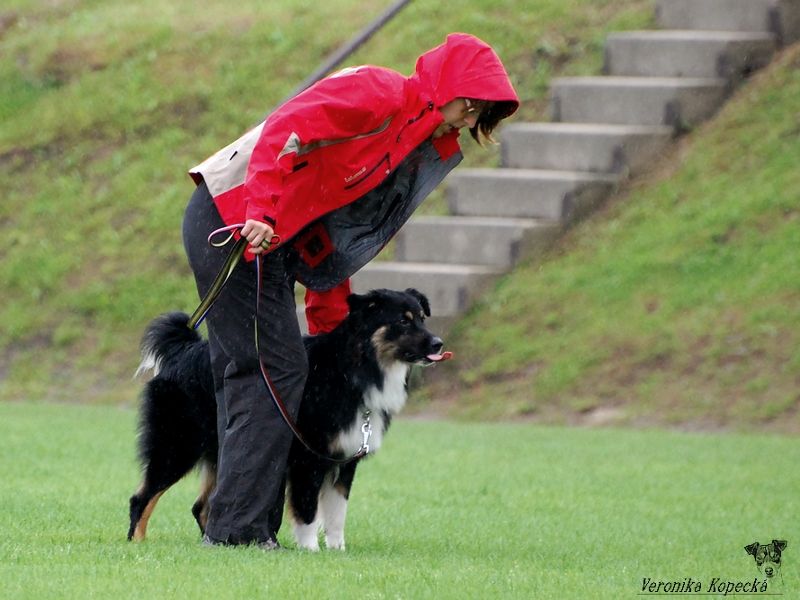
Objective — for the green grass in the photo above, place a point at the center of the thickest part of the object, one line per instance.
(104, 104)
(677, 304)
(445, 510)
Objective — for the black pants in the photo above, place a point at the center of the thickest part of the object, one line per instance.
(247, 504)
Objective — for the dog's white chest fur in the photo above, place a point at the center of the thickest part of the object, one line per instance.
(390, 400)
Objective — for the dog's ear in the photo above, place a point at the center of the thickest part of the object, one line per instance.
(780, 544)
(752, 548)
(362, 302)
(422, 299)
(355, 301)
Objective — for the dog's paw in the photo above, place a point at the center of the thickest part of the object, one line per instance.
(307, 536)
(334, 543)
(308, 547)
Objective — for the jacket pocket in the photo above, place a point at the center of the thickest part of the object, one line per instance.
(383, 162)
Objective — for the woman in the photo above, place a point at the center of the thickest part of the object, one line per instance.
(322, 185)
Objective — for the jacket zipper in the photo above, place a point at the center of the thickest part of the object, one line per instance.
(386, 156)
(305, 149)
(414, 120)
(366, 175)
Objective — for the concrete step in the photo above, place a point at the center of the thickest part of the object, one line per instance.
(301, 319)
(781, 17)
(527, 193)
(449, 288)
(438, 324)
(685, 53)
(674, 101)
(491, 241)
(725, 15)
(582, 146)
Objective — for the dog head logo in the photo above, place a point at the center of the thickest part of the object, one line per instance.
(767, 556)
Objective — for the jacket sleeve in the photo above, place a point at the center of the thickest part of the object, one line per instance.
(325, 310)
(346, 104)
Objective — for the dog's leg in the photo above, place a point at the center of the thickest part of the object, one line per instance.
(306, 534)
(305, 526)
(333, 505)
(142, 504)
(171, 442)
(164, 468)
(304, 483)
(208, 479)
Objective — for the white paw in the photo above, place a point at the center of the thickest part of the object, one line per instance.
(307, 536)
(310, 547)
(335, 543)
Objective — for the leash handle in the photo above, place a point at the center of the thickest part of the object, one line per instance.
(275, 240)
(235, 255)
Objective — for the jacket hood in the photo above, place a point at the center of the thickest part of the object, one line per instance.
(465, 67)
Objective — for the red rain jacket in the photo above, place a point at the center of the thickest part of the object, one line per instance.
(337, 140)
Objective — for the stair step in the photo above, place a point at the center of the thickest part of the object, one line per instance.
(438, 324)
(725, 15)
(686, 53)
(491, 241)
(675, 101)
(301, 319)
(527, 193)
(450, 288)
(582, 146)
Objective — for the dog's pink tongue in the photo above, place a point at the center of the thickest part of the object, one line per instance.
(440, 357)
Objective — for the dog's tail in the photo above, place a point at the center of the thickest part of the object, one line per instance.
(166, 338)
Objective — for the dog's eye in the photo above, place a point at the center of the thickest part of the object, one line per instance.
(405, 322)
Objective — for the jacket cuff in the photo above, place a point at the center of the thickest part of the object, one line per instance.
(258, 213)
(325, 310)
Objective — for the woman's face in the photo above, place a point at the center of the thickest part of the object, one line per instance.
(458, 113)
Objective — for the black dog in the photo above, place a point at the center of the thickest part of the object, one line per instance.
(356, 383)
(767, 556)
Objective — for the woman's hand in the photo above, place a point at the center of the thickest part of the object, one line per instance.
(256, 232)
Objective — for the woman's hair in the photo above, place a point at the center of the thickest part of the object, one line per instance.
(489, 119)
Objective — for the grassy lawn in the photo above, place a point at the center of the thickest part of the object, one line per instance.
(446, 510)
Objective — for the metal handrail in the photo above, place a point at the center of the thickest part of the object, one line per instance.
(347, 49)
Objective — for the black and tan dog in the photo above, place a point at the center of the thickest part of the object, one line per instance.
(359, 368)
(767, 556)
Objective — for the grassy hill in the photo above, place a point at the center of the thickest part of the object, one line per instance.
(104, 104)
(678, 304)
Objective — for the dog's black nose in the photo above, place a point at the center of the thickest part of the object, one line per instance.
(436, 344)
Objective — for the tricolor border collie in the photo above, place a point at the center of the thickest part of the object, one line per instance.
(356, 371)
